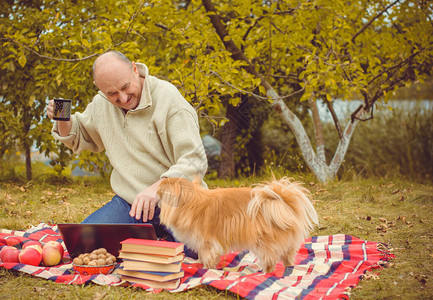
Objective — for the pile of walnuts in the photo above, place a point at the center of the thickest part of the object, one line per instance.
(98, 257)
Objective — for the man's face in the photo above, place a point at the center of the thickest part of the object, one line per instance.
(120, 83)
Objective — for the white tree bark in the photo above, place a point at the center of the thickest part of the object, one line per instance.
(316, 163)
(343, 145)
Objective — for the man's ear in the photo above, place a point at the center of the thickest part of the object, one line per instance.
(134, 67)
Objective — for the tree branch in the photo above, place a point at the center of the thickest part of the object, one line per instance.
(86, 57)
(397, 65)
(251, 27)
(318, 129)
(335, 118)
(344, 142)
(250, 93)
(131, 20)
(270, 52)
(50, 57)
(372, 20)
(229, 44)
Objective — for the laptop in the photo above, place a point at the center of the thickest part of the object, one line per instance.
(84, 237)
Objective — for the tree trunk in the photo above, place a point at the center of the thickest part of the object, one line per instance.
(228, 140)
(29, 174)
(242, 151)
(344, 142)
(318, 130)
(26, 119)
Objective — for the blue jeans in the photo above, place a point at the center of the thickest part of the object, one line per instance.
(117, 211)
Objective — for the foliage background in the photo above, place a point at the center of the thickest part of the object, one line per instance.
(307, 50)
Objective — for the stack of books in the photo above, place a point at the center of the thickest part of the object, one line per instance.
(156, 264)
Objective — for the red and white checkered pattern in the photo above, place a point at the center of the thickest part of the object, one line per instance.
(326, 266)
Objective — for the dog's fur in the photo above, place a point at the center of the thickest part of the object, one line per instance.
(270, 220)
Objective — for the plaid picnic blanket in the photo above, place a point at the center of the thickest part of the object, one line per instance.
(326, 267)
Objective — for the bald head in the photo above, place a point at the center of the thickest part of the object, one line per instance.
(118, 79)
(109, 58)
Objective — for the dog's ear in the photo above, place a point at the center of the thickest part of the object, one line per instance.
(185, 190)
(175, 191)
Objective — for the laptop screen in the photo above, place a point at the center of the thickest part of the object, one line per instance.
(84, 237)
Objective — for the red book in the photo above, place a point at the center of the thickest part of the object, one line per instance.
(155, 276)
(152, 247)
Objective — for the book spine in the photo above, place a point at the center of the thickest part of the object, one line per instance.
(131, 265)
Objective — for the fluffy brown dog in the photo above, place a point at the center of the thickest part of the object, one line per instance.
(270, 220)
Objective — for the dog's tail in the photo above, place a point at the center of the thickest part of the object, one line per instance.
(284, 203)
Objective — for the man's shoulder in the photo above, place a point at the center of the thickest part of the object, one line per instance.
(100, 97)
(98, 105)
(101, 101)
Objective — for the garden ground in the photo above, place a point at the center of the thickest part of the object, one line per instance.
(393, 211)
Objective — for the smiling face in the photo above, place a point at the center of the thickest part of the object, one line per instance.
(118, 80)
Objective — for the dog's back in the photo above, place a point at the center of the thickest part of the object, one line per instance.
(285, 204)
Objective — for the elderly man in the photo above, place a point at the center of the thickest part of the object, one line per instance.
(148, 130)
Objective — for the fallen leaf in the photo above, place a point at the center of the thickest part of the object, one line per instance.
(40, 290)
(382, 227)
(422, 278)
(401, 218)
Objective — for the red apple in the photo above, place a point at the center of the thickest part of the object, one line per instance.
(37, 247)
(56, 245)
(9, 254)
(51, 256)
(32, 242)
(30, 256)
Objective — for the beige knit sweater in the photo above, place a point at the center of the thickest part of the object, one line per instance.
(159, 138)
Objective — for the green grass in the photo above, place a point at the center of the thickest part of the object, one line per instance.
(355, 207)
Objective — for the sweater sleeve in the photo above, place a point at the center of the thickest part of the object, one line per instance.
(186, 146)
(83, 134)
